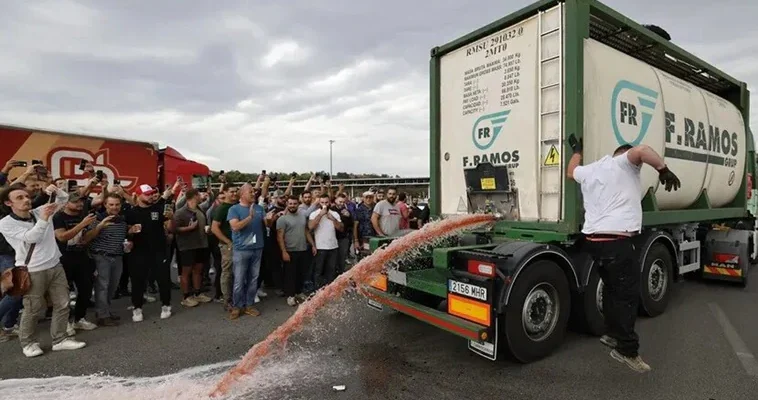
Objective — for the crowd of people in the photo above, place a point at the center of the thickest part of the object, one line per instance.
(84, 246)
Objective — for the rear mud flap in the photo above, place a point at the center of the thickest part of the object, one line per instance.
(487, 349)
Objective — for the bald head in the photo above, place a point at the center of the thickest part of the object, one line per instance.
(246, 194)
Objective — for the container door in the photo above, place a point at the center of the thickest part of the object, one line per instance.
(501, 108)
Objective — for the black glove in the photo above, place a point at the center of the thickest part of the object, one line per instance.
(668, 179)
(576, 145)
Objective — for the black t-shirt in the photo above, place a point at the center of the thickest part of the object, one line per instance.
(61, 220)
(347, 222)
(416, 213)
(153, 235)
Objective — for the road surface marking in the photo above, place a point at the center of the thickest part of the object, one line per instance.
(740, 348)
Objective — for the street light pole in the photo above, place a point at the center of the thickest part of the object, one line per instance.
(331, 172)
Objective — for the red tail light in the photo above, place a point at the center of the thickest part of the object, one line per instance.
(481, 268)
(749, 186)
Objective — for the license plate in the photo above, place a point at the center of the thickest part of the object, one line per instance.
(468, 290)
(375, 305)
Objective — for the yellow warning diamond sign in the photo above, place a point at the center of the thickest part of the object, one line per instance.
(552, 157)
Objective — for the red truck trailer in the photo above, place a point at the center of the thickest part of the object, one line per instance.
(130, 161)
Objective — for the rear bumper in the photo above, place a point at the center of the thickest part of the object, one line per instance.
(442, 320)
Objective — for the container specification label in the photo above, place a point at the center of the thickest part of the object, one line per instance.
(475, 97)
(489, 112)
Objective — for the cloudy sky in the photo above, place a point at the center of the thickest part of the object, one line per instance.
(262, 84)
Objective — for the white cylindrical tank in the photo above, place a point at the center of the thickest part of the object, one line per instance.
(700, 135)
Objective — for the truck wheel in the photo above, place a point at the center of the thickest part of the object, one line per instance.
(537, 315)
(656, 281)
(591, 311)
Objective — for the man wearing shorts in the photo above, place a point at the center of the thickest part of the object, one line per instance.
(192, 242)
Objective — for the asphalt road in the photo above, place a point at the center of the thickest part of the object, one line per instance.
(693, 349)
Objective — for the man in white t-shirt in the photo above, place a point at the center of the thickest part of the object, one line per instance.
(325, 223)
(612, 195)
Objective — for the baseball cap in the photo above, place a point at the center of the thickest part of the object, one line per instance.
(368, 193)
(145, 189)
(277, 193)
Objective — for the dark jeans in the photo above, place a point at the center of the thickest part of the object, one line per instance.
(81, 268)
(295, 272)
(144, 262)
(9, 305)
(344, 251)
(309, 283)
(216, 259)
(619, 268)
(123, 285)
(324, 267)
(271, 266)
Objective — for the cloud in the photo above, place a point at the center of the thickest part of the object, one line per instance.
(266, 85)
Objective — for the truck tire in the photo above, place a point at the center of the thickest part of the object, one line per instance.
(655, 282)
(537, 313)
(590, 307)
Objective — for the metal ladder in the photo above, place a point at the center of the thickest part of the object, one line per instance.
(550, 123)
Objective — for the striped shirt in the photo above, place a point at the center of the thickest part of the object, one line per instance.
(110, 240)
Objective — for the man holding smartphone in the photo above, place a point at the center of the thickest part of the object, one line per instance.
(29, 229)
(106, 236)
(150, 248)
(69, 225)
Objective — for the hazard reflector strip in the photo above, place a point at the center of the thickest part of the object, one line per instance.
(471, 310)
(722, 271)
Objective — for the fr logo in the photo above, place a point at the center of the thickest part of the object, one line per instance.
(632, 108)
(64, 162)
(487, 128)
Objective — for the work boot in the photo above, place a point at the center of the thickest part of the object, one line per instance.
(252, 311)
(609, 341)
(634, 363)
(234, 314)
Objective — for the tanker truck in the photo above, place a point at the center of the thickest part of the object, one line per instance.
(504, 99)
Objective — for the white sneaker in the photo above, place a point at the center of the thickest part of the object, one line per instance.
(165, 312)
(137, 315)
(84, 325)
(72, 295)
(261, 293)
(149, 299)
(70, 329)
(69, 344)
(257, 299)
(32, 350)
(291, 301)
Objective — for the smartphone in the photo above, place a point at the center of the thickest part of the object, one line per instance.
(99, 175)
(294, 175)
(82, 164)
(20, 164)
(264, 172)
(221, 172)
(72, 184)
(52, 197)
(36, 162)
(116, 181)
